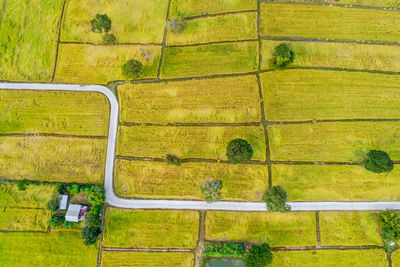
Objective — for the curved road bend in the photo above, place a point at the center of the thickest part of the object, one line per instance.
(113, 200)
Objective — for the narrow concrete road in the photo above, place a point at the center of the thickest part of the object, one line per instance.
(113, 200)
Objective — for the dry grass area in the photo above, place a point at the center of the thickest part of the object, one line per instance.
(52, 159)
(193, 101)
(160, 180)
(17, 219)
(33, 197)
(187, 142)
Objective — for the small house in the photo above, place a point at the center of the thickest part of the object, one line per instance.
(62, 202)
(75, 213)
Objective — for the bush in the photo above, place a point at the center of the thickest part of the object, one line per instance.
(90, 234)
(56, 222)
(224, 249)
(132, 68)
(52, 205)
(275, 198)
(173, 160)
(101, 23)
(109, 38)
(390, 226)
(211, 190)
(22, 185)
(68, 225)
(378, 162)
(283, 55)
(239, 150)
(259, 256)
(75, 188)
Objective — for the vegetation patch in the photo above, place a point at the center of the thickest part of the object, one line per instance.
(147, 259)
(32, 197)
(378, 162)
(53, 112)
(351, 3)
(150, 228)
(329, 22)
(349, 228)
(277, 229)
(134, 21)
(28, 40)
(186, 142)
(23, 219)
(192, 101)
(210, 59)
(80, 63)
(336, 183)
(333, 141)
(158, 180)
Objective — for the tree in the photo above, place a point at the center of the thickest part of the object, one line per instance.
(239, 150)
(172, 159)
(52, 205)
(211, 190)
(101, 23)
(275, 198)
(132, 68)
(283, 55)
(259, 256)
(56, 221)
(90, 234)
(22, 185)
(390, 226)
(109, 38)
(378, 162)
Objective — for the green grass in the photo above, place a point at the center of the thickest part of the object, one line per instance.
(191, 101)
(35, 196)
(52, 249)
(333, 141)
(337, 55)
(52, 159)
(349, 229)
(137, 21)
(187, 142)
(28, 38)
(146, 259)
(221, 28)
(17, 219)
(150, 228)
(278, 229)
(336, 183)
(186, 8)
(160, 180)
(53, 112)
(79, 63)
(210, 59)
(319, 94)
(329, 22)
(330, 258)
(370, 3)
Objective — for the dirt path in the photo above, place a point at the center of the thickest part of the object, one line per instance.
(200, 243)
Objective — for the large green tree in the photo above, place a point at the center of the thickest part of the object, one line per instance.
(378, 162)
(239, 150)
(275, 198)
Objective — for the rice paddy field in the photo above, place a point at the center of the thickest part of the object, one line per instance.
(23, 219)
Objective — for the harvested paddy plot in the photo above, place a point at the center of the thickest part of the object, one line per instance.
(22, 219)
(33, 197)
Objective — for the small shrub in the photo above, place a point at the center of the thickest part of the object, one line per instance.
(211, 190)
(56, 221)
(177, 25)
(283, 55)
(22, 185)
(275, 198)
(52, 205)
(74, 188)
(239, 150)
(259, 256)
(90, 234)
(378, 162)
(390, 226)
(68, 225)
(224, 249)
(132, 68)
(101, 23)
(173, 160)
(109, 38)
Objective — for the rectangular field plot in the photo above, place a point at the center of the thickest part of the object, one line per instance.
(337, 55)
(329, 22)
(150, 228)
(213, 29)
(137, 21)
(80, 63)
(210, 59)
(349, 229)
(193, 101)
(336, 183)
(187, 8)
(333, 141)
(23, 219)
(365, 3)
(77, 113)
(52, 159)
(330, 258)
(187, 142)
(318, 94)
(146, 259)
(33, 197)
(28, 39)
(278, 229)
(64, 248)
(160, 180)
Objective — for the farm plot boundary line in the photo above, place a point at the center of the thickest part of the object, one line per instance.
(58, 41)
(100, 250)
(148, 249)
(52, 135)
(211, 15)
(214, 43)
(164, 41)
(102, 44)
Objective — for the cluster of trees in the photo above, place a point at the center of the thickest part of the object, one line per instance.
(102, 24)
(390, 229)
